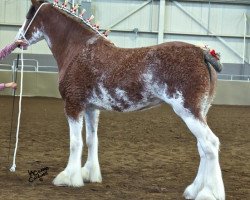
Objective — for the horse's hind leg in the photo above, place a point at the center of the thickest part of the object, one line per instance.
(71, 176)
(208, 184)
(91, 171)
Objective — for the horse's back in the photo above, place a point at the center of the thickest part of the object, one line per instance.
(179, 65)
(175, 69)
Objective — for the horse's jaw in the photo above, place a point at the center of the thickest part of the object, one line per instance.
(48, 40)
(36, 36)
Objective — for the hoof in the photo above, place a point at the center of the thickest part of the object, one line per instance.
(93, 175)
(206, 194)
(85, 174)
(63, 179)
(191, 192)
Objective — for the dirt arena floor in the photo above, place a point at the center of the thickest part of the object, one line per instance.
(143, 155)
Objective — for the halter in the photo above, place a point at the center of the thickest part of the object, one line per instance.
(22, 33)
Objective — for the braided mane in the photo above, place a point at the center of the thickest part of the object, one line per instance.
(80, 19)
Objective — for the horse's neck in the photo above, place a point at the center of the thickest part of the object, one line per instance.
(65, 37)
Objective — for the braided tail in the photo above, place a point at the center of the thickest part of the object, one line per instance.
(213, 60)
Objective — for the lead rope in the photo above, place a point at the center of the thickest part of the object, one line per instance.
(13, 103)
(21, 33)
(13, 168)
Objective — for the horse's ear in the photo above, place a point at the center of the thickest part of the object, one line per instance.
(35, 3)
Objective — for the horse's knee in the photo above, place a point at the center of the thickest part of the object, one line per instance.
(73, 110)
(75, 134)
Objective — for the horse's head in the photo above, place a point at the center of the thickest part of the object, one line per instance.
(32, 29)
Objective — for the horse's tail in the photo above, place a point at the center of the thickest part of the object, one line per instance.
(212, 58)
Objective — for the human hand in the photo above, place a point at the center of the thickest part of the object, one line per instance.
(21, 43)
(12, 85)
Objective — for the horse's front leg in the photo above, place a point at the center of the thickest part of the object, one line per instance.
(72, 176)
(91, 171)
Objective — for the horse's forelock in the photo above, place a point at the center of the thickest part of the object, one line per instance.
(33, 9)
(31, 12)
(42, 1)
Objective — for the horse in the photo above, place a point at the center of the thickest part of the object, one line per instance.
(96, 75)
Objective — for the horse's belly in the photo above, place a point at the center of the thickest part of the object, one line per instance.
(124, 106)
(121, 101)
(145, 106)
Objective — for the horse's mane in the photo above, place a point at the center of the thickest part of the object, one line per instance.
(79, 20)
(67, 12)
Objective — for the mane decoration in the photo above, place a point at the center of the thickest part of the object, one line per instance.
(74, 9)
(87, 22)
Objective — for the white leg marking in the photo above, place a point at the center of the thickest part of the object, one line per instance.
(72, 175)
(37, 35)
(208, 184)
(91, 170)
(213, 187)
(192, 190)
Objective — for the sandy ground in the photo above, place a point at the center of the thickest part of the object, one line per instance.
(143, 155)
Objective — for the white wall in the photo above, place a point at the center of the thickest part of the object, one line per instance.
(225, 20)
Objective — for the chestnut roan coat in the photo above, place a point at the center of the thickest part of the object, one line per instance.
(96, 75)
